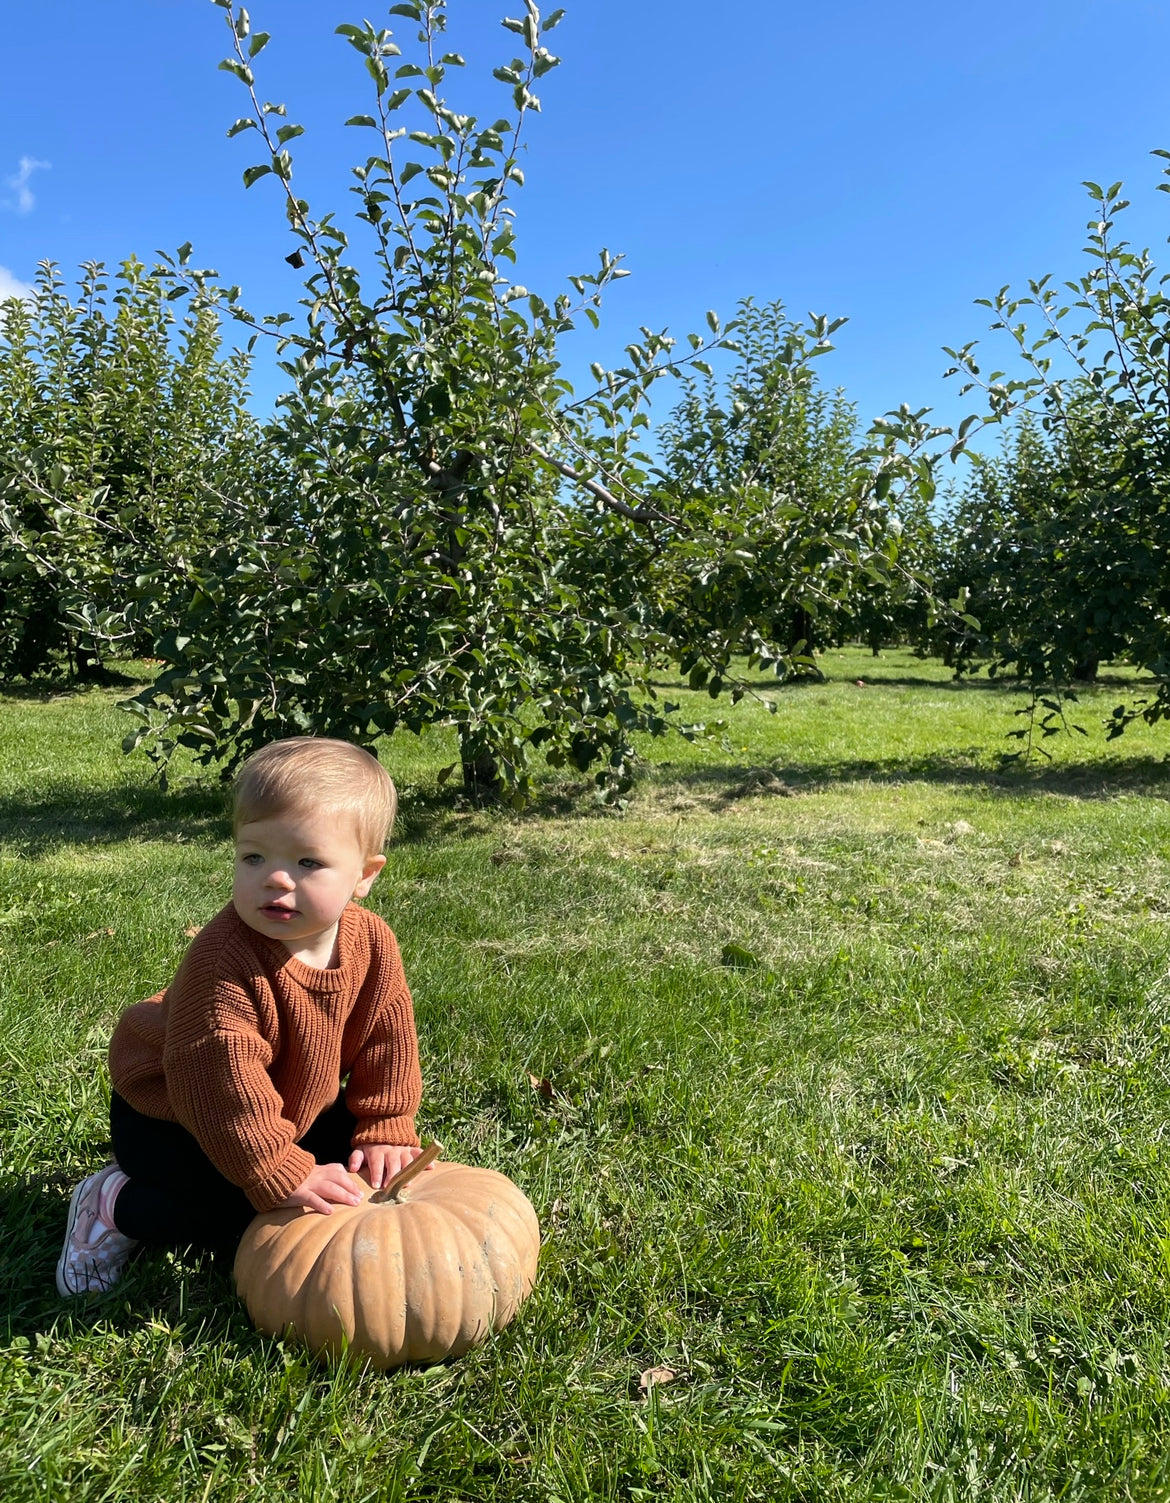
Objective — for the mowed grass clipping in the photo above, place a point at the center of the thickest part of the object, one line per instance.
(835, 1066)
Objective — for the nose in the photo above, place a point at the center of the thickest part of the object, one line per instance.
(280, 879)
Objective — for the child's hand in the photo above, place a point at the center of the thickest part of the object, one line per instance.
(323, 1184)
(382, 1161)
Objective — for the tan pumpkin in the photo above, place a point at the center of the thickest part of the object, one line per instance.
(424, 1269)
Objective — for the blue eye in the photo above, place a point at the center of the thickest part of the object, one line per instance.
(310, 863)
(252, 858)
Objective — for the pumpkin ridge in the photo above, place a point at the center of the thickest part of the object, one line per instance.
(269, 1248)
(512, 1273)
(326, 1296)
(379, 1303)
(436, 1300)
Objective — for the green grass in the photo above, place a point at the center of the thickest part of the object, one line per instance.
(888, 1192)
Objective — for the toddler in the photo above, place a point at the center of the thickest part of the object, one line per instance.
(227, 1087)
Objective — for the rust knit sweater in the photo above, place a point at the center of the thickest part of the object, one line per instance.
(247, 1046)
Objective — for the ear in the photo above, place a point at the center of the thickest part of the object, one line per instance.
(370, 869)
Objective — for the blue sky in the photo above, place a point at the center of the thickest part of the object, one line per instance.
(889, 163)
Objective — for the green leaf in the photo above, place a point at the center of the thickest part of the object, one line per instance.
(240, 70)
(740, 959)
(363, 120)
(254, 174)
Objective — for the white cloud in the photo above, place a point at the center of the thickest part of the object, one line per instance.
(24, 194)
(11, 286)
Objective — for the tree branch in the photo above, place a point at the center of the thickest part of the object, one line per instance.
(641, 513)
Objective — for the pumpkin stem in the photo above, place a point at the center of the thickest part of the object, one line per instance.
(390, 1189)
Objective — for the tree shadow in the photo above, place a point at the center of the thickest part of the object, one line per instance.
(447, 813)
(63, 813)
(1139, 774)
(195, 812)
(41, 690)
(877, 677)
(879, 680)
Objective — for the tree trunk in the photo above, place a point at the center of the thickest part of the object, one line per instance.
(801, 631)
(90, 669)
(1086, 670)
(481, 781)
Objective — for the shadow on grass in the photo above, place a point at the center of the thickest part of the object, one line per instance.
(197, 813)
(40, 690)
(196, 1288)
(877, 677)
(1139, 774)
(64, 814)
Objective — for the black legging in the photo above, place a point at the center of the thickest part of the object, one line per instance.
(177, 1197)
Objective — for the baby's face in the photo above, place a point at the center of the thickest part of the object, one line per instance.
(294, 874)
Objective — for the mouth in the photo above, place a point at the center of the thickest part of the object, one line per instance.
(278, 912)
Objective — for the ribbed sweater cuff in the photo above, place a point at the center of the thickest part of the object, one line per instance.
(268, 1193)
(397, 1131)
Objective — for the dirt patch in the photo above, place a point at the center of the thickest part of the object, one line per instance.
(757, 782)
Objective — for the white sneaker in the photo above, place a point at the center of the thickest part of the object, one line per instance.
(94, 1254)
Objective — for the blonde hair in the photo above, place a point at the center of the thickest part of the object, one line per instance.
(315, 774)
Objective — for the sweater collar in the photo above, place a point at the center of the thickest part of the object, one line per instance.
(338, 978)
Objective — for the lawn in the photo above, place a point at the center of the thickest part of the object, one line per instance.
(835, 1066)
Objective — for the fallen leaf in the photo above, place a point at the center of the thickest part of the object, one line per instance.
(192, 930)
(653, 1377)
(961, 827)
(97, 934)
(740, 959)
(1016, 858)
(542, 1087)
